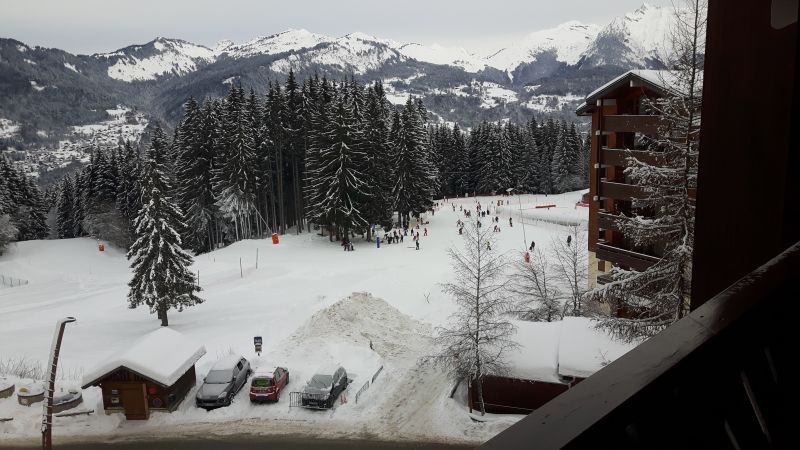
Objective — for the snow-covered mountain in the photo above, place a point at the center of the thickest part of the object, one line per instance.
(566, 43)
(638, 39)
(45, 92)
(289, 40)
(155, 59)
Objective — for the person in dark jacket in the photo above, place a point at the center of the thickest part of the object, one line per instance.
(417, 245)
(533, 244)
(569, 240)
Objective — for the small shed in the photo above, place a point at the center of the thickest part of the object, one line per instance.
(551, 358)
(155, 372)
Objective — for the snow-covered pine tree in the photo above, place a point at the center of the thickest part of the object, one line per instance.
(378, 170)
(32, 213)
(128, 190)
(79, 203)
(461, 163)
(161, 276)
(478, 336)
(233, 177)
(194, 180)
(341, 173)
(65, 214)
(655, 298)
(415, 176)
(560, 164)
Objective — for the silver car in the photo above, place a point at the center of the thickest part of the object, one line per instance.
(224, 380)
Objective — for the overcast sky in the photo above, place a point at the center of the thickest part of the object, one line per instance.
(89, 26)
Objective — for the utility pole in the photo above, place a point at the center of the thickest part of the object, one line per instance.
(47, 413)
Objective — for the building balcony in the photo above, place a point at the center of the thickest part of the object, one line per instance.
(631, 123)
(618, 157)
(627, 258)
(620, 191)
(607, 220)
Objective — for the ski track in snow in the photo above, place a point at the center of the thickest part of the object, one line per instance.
(293, 300)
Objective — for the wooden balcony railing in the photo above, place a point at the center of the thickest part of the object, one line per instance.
(631, 123)
(620, 191)
(628, 258)
(618, 156)
(721, 377)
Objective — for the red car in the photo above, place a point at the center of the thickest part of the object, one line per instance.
(267, 384)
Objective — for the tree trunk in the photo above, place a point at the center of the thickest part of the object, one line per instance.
(162, 314)
(479, 380)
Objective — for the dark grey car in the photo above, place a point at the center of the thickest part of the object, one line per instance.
(322, 389)
(224, 380)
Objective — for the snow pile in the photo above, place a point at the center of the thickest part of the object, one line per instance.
(163, 356)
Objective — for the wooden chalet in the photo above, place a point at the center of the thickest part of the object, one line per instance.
(620, 118)
(154, 373)
(551, 357)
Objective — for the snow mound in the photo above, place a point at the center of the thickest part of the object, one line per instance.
(341, 334)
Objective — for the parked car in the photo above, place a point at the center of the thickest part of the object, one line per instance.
(321, 391)
(224, 380)
(267, 385)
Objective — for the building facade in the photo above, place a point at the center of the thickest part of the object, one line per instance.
(620, 119)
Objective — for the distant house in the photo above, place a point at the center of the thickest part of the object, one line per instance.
(551, 358)
(155, 372)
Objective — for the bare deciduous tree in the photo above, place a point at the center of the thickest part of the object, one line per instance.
(570, 253)
(477, 338)
(539, 299)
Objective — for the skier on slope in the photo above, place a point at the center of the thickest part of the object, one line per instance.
(510, 222)
(569, 240)
(533, 244)
(426, 232)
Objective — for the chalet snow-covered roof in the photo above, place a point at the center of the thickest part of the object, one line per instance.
(583, 349)
(536, 358)
(161, 356)
(657, 80)
(572, 347)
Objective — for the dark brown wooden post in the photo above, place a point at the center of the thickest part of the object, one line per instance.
(47, 416)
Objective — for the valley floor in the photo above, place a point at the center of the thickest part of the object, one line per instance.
(314, 305)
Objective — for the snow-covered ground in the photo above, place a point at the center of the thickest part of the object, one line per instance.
(300, 298)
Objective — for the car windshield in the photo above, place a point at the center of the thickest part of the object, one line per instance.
(262, 382)
(219, 376)
(321, 381)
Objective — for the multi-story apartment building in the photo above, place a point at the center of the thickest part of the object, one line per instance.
(620, 119)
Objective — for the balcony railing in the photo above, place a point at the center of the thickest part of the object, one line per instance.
(620, 191)
(623, 257)
(631, 123)
(607, 220)
(618, 156)
(721, 377)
